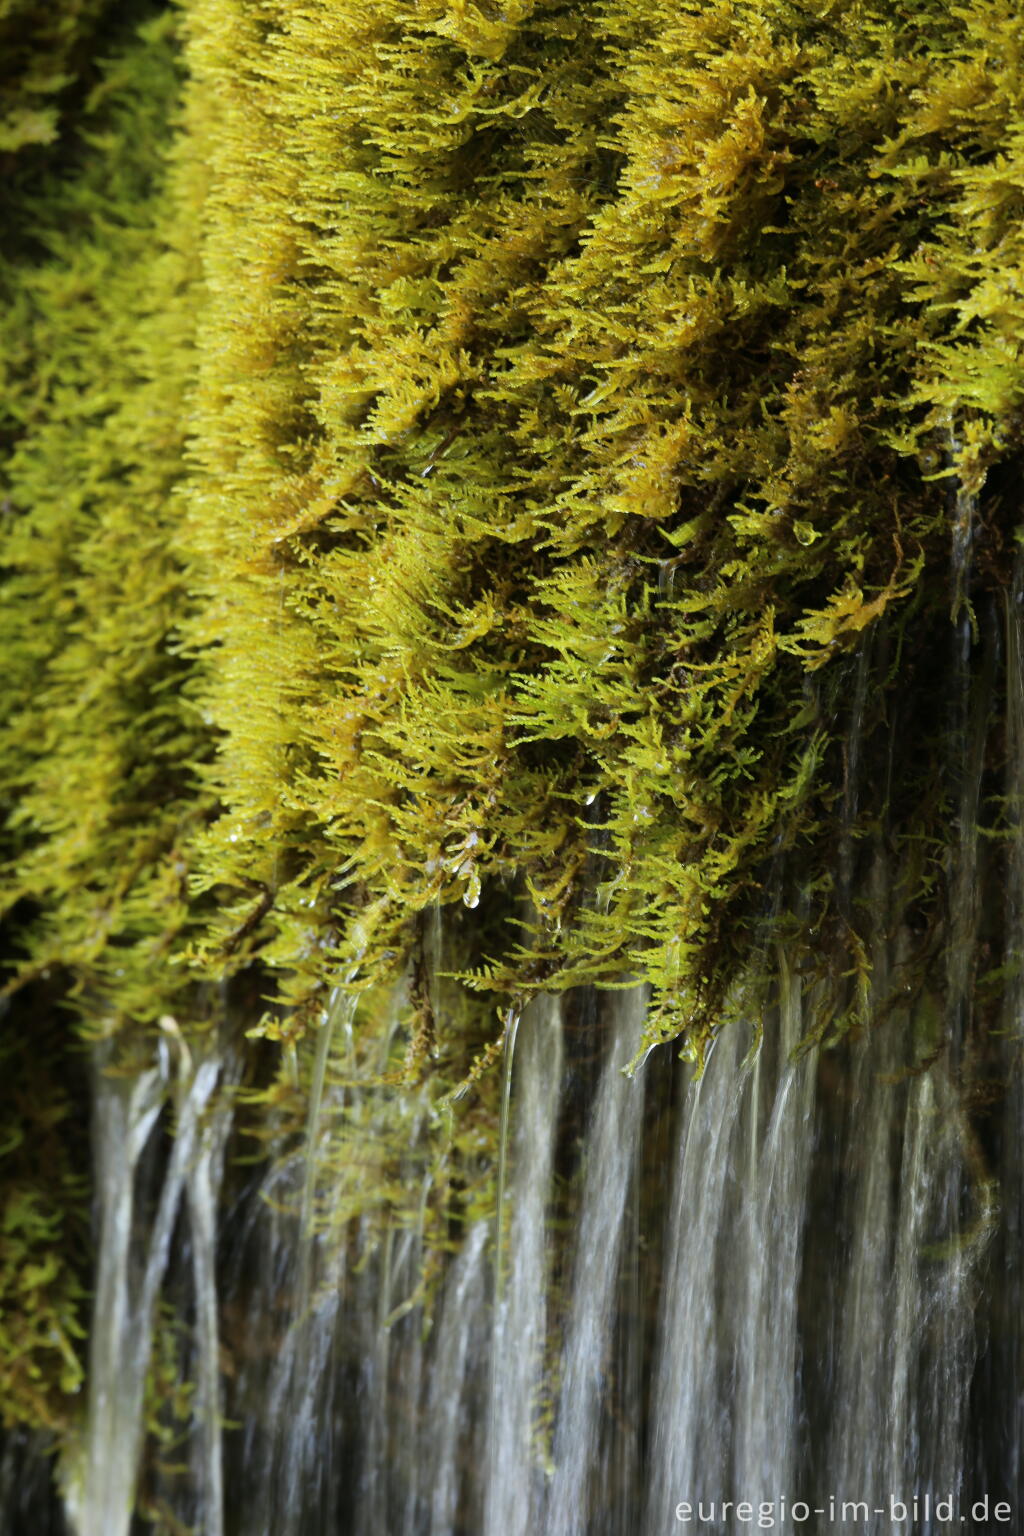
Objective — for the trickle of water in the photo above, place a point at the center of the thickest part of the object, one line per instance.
(611, 1153)
(203, 1182)
(451, 1430)
(798, 1323)
(515, 1458)
(907, 1343)
(512, 1018)
(337, 1016)
(764, 1279)
(127, 1109)
(374, 1303)
(691, 1409)
(902, 1270)
(289, 1285)
(932, 1334)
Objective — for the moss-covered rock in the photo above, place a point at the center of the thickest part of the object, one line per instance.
(508, 470)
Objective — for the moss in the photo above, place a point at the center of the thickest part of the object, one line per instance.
(575, 397)
(45, 1201)
(43, 51)
(514, 465)
(98, 733)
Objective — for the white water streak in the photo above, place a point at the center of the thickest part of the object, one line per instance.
(125, 1303)
(691, 1411)
(767, 1274)
(449, 1432)
(513, 1477)
(203, 1190)
(611, 1154)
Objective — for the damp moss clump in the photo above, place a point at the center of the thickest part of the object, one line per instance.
(578, 396)
(97, 734)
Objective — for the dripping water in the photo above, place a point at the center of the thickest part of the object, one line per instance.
(765, 1279)
(516, 1458)
(798, 1321)
(203, 1183)
(451, 1440)
(127, 1289)
(512, 1018)
(691, 1393)
(288, 1285)
(612, 1146)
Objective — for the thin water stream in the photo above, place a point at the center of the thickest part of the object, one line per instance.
(134, 1256)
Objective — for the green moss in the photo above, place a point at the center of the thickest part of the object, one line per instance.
(44, 1232)
(598, 391)
(43, 48)
(97, 732)
(517, 465)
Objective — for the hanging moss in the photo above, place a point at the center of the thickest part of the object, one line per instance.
(576, 394)
(516, 464)
(97, 732)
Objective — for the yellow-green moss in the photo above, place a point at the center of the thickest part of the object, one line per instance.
(97, 732)
(490, 475)
(576, 391)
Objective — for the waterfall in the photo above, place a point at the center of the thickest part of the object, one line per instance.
(125, 1113)
(764, 1278)
(578, 1480)
(690, 1415)
(727, 1410)
(450, 1433)
(133, 1258)
(751, 1281)
(905, 1350)
(514, 1481)
(203, 1184)
(280, 1458)
(512, 982)
(285, 1286)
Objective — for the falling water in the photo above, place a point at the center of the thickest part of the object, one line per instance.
(281, 1392)
(726, 1411)
(764, 1277)
(127, 1289)
(905, 1347)
(752, 1282)
(451, 1431)
(286, 1288)
(691, 1411)
(515, 1458)
(125, 1112)
(612, 1147)
(203, 1182)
